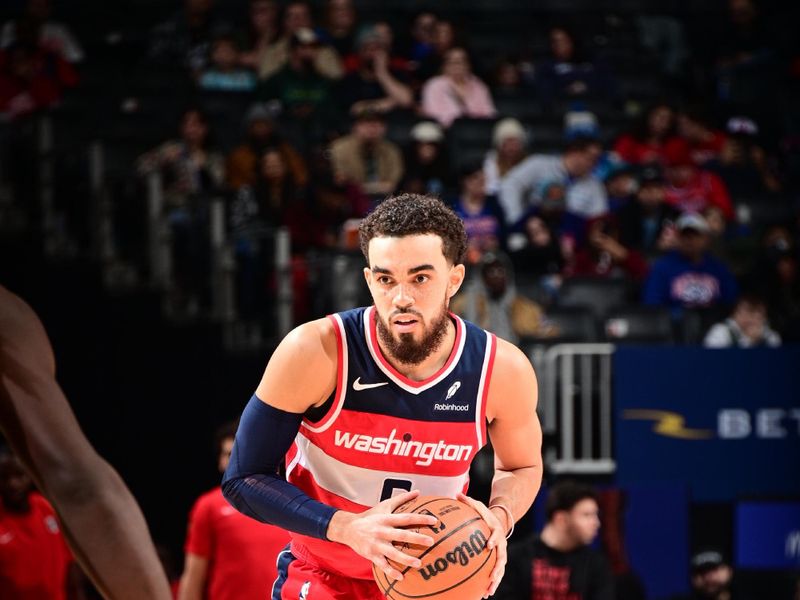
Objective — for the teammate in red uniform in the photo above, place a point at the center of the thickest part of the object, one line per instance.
(228, 556)
(99, 517)
(375, 401)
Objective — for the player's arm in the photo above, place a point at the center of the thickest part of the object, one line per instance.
(193, 580)
(300, 374)
(516, 437)
(105, 529)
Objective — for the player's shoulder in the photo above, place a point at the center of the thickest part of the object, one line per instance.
(312, 336)
(510, 360)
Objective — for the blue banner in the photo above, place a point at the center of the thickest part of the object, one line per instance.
(768, 535)
(724, 422)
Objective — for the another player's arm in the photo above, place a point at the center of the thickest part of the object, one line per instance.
(301, 374)
(516, 437)
(105, 529)
(193, 580)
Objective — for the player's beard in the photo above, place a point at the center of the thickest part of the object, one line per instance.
(405, 348)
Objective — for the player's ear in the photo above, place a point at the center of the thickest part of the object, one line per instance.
(456, 278)
(368, 275)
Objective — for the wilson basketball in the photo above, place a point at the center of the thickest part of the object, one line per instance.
(456, 567)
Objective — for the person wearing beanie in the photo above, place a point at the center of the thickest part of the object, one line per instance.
(509, 141)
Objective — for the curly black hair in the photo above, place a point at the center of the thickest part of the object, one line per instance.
(415, 214)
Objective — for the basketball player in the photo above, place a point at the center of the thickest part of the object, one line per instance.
(99, 517)
(375, 405)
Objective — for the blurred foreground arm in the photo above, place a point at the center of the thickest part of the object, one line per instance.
(100, 518)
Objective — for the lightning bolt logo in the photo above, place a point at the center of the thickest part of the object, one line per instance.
(670, 424)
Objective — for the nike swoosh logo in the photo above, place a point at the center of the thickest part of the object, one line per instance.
(358, 386)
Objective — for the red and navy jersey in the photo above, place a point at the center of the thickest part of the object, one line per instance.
(383, 433)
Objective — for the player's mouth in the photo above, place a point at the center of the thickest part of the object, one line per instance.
(404, 323)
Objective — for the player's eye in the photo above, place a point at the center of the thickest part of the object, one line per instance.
(384, 280)
(421, 278)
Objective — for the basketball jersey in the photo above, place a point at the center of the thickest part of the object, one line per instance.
(385, 434)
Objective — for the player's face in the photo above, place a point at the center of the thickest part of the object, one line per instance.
(411, 283)
(584, 521)
(225, 454)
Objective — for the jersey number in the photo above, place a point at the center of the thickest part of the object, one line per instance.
(391, 485)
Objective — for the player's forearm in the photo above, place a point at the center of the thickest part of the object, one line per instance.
(516, 490)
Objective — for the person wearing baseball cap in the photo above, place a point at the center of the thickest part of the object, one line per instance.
(712, 578)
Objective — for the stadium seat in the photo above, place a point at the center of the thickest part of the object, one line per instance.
(598, 295)
(572, 325)
(638, 324)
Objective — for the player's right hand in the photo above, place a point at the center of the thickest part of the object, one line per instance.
(371, 533)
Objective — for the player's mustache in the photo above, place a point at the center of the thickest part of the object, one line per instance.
(404, 311)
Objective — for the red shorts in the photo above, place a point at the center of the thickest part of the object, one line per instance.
(299, 580)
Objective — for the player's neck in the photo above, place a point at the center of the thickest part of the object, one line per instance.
(430, 365)
(556, 539)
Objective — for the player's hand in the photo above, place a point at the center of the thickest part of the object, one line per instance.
(497, 540)
(371, 533)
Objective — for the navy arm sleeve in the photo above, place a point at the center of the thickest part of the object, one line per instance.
(251, 482)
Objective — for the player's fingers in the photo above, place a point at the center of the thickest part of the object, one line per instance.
(402, 558)
(397, 501)
(389, 570)
(498, 571)
(491, 519)
(411, 537)
(409, 519)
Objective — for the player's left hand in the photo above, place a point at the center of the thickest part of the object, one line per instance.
(497, 541)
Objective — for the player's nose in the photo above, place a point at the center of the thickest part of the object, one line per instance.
(402, 297)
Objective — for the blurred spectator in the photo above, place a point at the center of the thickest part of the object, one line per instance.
(647, 223)
(423, 29)
(743, 163)
(374, 85)
(569, 73)
(481, 214)
(664, 36)
(580, 123)
(621, 186)
(340, 27)
(507, 78)
(585, 194)
(31, 79)
(301, 89)
(747, 327)
(456, 92)
(647, 141)
(191, 169)
(242, 162)
(492, 302)
(34, 559)
(427, 168)
(444, 39)
(50, 35)
(228, 555)
(705, 144)
(540, 255)
(559, 562)
(365, 157)
(508, 150)
(262, 32)
(690, 277)
(690, 189)
(297, 18)
(225, 74)
(604, 256)
(712, 578)
(184, 40)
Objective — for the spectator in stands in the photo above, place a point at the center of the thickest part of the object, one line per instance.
(712, 578)
(340, 27)
(507, 78)
(296, 18)
(621, 186)
(303, 92)
(456, 93)
(427, 168)
(31, 78)
(568, 73)
(646, 142)
(423, 29)
(365, 157)
(191, 169)
(481, 213)
(262, 31)
(184, 40)
(228, 555)
(559, 562)
(743, 163)
(242, 163)
(585, 194)
(539, 256)
(690, 277)
(509, 141)
(664, 36)
(444, 39)
(51, 36)
(690, 189)
(604, 256)
(647, 224)
(374, 86)
(225, 74)
(747, 327)
(705, 143)
(34, 559)
(492, 302)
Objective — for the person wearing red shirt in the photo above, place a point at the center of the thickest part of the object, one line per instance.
(34, 559)
(690, 189)
(646, 143)
(604, 255)
(229, 556)
(705, 144)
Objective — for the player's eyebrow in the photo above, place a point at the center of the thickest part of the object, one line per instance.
(411, 271)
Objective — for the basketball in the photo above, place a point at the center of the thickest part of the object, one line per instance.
(456, 567)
